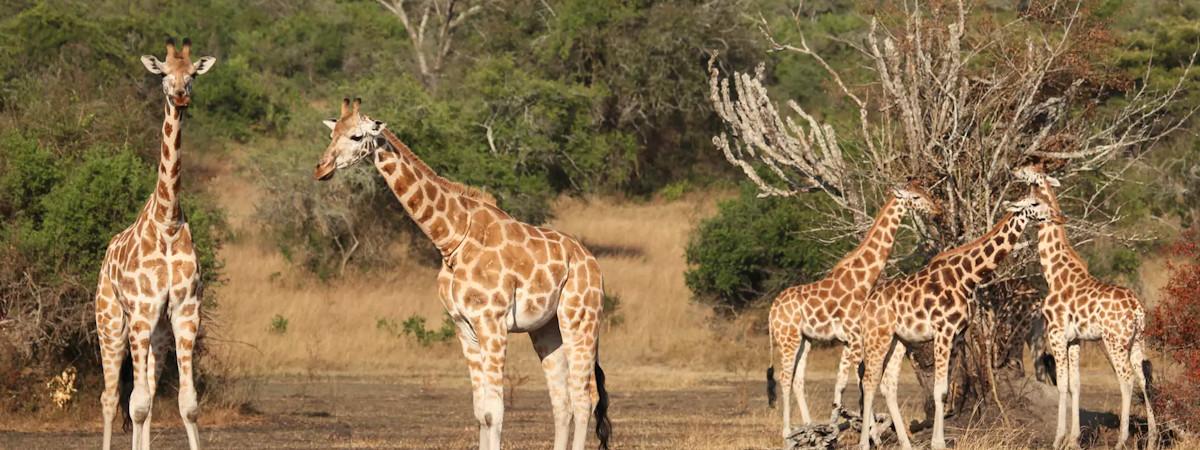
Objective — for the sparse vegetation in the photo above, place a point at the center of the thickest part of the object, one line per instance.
(414, 326)
(279, 324)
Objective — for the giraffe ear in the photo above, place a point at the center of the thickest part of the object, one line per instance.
(1053, 181)
(202, 66)
(152, 64)
(331, 123)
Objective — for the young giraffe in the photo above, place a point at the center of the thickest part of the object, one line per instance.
(1081, 308)
(933, 304)
(828, 309)
(150, 275)
(498, 276)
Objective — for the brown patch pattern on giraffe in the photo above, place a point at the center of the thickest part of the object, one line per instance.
(499, 276)
(828, 309)
(933, 304)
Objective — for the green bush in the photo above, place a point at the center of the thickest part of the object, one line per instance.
(414, 326)
(279, 324)
(233, 100)
(753, 248)
(96, 199)
(28, 173)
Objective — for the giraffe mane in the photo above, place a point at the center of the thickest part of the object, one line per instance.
(857, 252)
(453, 186)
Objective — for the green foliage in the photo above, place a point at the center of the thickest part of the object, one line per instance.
(29, 172)
(279, 325)
(234, 101)
(96, 199)
(414, 326)
(675, 191)
(752, 249)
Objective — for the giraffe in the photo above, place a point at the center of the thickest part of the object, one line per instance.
(933, 304)
(149, 283)
(828, 309)
(498, 276)
(1080, 308)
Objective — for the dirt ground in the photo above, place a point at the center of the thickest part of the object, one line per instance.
(418, 412)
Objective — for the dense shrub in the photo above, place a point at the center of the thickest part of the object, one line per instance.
(753, 248)
(234, 101)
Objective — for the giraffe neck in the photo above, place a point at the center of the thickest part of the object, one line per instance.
(166, 209)
(440, 208)
(872, 254)
(986, 252)
(1054, 249)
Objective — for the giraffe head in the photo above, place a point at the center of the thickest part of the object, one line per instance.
(914, 196)
(1034, 174)
(352, 136)
(1036, 208)
(178, 71)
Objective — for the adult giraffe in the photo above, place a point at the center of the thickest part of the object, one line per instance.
(1080, 308)
(498, 276)
(933, 304)
(829, 309)
(150, 275)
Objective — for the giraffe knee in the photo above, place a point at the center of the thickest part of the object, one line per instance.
(139, 405)
(189, 408)
(490, 412)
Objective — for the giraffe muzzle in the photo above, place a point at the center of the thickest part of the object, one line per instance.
(181, 101)
(324, 171)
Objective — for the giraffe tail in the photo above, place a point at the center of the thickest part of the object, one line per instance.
(125, 390)
(771, 396)
(603, 425)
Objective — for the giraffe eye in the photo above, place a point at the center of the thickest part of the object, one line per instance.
(356, 138)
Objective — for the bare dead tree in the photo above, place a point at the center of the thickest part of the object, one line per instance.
(961, 105)
(432, 34)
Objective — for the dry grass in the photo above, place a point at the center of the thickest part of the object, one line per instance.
(332, 327)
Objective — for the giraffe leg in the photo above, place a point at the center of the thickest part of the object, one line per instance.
(1141, 376)
(1118, 356)
(160, 341)
(889, 387)
(943, 345)
(140, 399)
(851, 354)
(875, 351)
(798, 379)
(471, 352)
(580, 338)
(1058, 346)
(787, 364)
(185, 322)
(489, 402)
(113, 335)
(1073, 360)
(547, 341)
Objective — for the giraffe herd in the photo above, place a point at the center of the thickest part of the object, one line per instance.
(501, 276)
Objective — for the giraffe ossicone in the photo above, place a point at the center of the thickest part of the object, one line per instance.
(498, 276)
(829, 309)
(149, 284)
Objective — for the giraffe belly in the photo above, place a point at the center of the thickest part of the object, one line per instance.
(825, 331)
(529, 313)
